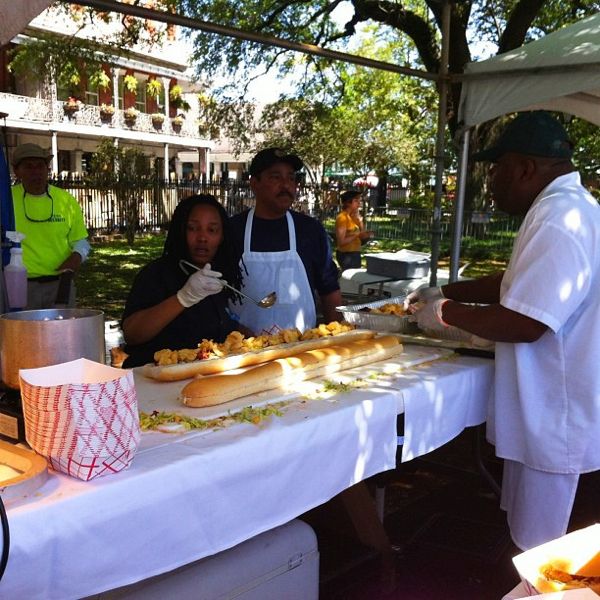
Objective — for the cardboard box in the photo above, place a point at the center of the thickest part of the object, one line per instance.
(405, 264)
(575, 553)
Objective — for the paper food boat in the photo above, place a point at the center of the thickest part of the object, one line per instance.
(575, 553)
(82, 416)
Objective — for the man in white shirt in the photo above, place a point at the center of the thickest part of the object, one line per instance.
(544, 314)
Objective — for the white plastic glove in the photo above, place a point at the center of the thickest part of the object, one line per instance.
(429, 315)
(424, 294)
(199, 285)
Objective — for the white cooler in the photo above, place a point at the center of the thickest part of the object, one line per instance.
(280, 563)
(367, 286)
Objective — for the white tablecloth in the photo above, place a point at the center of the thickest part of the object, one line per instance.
(189, 496)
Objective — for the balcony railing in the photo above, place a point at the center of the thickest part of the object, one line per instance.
(40, 110)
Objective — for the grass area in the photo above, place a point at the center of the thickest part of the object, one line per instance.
(105, 279)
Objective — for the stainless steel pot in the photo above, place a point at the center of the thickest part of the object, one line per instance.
(40, 338)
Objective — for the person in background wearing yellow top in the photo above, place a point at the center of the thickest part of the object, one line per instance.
(350, 233)
(55, 243)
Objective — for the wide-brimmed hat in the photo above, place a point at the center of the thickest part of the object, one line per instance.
(535, 133)
(29, 151)
(271, 156)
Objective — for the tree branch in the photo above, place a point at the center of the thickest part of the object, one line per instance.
(518, 23)
(414, 26)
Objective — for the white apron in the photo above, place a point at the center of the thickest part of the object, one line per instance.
(282, 272)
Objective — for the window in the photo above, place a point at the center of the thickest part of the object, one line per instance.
(140, 96)
(62, 93)
(64, 161)
(140, 99)
(86, 161)
(92, 97)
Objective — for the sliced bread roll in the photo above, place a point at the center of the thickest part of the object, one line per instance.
(209, 366)
(211, 390)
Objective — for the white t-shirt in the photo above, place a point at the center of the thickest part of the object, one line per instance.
(546, 410)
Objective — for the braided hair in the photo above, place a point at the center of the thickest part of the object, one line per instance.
(176, 247)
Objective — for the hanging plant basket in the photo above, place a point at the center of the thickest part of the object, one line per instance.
(176, 123)
(106, 112)
(157, 120)
(71, 106)
(130, 115)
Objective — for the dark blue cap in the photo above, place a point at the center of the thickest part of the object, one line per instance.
(535, 133)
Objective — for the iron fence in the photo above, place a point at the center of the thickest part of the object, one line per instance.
(483, 233)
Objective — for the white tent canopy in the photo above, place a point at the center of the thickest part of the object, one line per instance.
(560, 72)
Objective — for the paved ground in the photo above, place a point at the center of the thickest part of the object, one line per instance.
(450, 537)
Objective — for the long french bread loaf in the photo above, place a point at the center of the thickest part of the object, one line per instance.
(237, 361)
(216, 389)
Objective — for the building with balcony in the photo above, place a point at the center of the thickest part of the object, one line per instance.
(148, 100)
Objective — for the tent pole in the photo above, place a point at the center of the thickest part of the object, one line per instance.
(459, 206)
(436, 221)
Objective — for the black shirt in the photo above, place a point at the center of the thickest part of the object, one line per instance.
(208, 319)
(312, 245)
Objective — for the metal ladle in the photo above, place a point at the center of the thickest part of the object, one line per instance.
(265, 302)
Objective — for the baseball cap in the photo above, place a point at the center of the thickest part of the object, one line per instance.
(270, 156)
(29, 151)
(535, 133)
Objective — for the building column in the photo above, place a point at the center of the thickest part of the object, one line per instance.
(52, 91)
(207, 163)
(115, 82)
(166, 166)
(77, 166)
(166, 83)
(55, 153)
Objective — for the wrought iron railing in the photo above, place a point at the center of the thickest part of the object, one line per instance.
(41, 110)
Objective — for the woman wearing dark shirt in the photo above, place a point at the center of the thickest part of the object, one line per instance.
(167, 307)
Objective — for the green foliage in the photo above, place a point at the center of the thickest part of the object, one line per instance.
(586, 140)
(105, 279)
(416, 23)
(230, 118)
(124, 172)
(176, 98)
(209, 117)
(130, 83)
(381, 122)
(154, 88)
(175, 93)
(100, 80)
(66, 60)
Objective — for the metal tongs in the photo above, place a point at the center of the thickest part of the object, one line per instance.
(265, 302)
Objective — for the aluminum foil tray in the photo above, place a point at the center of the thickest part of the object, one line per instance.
(378, 322)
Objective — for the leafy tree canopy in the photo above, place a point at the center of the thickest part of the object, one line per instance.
(506, 24)
(379, 121)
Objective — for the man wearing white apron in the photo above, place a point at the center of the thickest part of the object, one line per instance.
(282, 251)
(544, 314)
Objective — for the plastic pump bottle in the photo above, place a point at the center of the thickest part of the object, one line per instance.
(15, 274)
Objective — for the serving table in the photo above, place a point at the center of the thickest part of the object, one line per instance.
(192, 495)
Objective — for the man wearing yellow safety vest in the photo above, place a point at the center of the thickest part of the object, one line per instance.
(51, 220)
